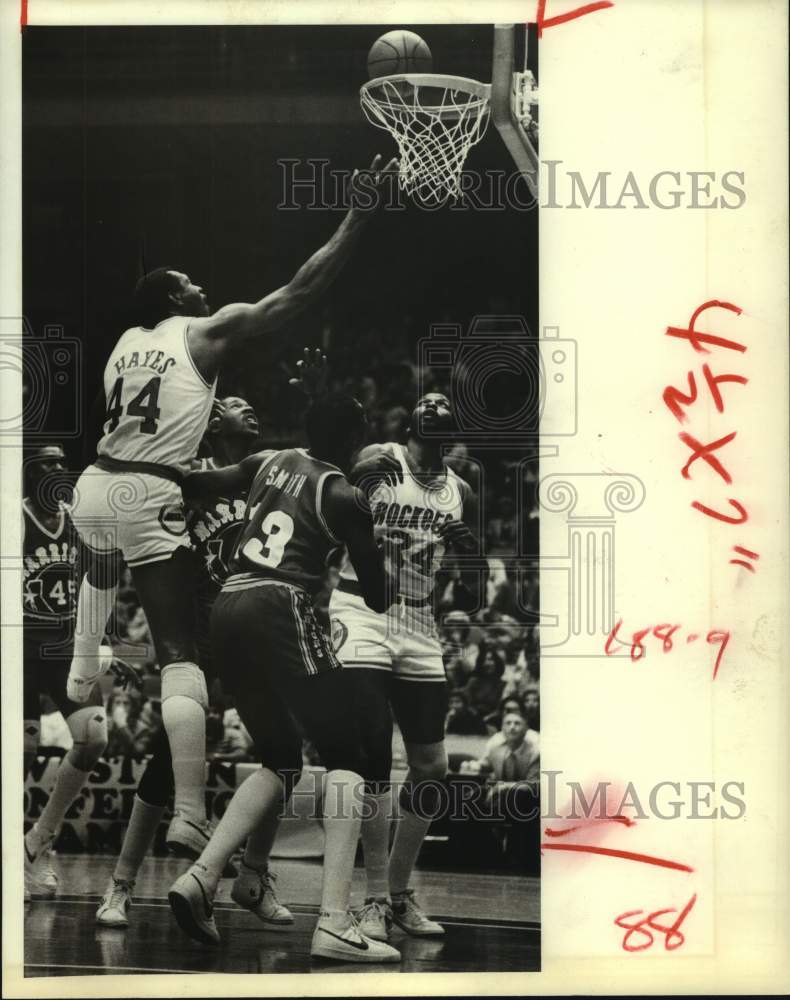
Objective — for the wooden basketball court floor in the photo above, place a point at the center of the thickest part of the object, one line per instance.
(492, 924)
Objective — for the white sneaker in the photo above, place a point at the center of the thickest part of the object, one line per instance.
(114, 908)
(188, 839)
(254, 891)
(375, 918)
(410, 918)
(340, 939)
(40, 877)
(192, 904)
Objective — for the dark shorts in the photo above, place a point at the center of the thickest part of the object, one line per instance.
(271, 655)
(272, 624)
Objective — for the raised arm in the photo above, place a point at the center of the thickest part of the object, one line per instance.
(224, 482)
(348, 515)
(209, 338)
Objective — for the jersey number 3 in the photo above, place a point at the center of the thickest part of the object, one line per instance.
(144, 404)
(277, 528)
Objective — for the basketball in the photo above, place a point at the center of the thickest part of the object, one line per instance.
(399, 52)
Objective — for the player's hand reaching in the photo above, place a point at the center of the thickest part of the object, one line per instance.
(127, 673)
(312, 373)
(372, 472)
(364, 185)
(458, 536)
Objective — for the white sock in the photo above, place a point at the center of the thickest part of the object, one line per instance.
(376, 844)
(68, 784)
(94, 607)
(185, 724)
(251, 805)
(409, 835)
(140, 834)
(343, 791)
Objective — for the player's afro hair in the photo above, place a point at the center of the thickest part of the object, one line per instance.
(331, 421)
(152, 296)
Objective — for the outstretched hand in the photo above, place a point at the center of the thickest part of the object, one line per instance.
(312, 373)
(363, 183)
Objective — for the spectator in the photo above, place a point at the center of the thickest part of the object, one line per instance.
(514, 768)
(532, 708)
(236, 741)
(485, 686)
(509, 703)
(132, 723)
(463, 720)
(458, 651)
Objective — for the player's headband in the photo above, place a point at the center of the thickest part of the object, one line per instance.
(46, 451)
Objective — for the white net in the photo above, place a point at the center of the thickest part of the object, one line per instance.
(435, 121)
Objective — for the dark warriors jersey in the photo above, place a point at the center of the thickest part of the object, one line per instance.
(214, 528)
(285, 536)
(49, 575)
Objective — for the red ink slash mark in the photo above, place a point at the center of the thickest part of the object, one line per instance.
(704, 451)
(744, 552)
(692, 638)
(23, 15)
(742, 513)
(551, 22)
(625, 820)
(610, 852)
(673, 938)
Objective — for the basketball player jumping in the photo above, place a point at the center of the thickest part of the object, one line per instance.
(272, 654)
(394, 659)
(159, 384)
(214, 526)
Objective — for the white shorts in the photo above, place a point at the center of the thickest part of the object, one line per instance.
(403, 639)
(138, 514)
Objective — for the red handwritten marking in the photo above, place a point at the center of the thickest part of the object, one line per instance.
(23, 15)
(665, 632)
(718, 636)
(625, 820)
(698, 339)
(611, 852)
(704, 451)
(674, 397)
(612, 636)
(673, 937)
(743, 516)
(638, 644)
(692, 637)
(713, 385)
(550, 22)
(744, 552)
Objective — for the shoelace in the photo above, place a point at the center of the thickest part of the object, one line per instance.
(374, 907)
(118, 891)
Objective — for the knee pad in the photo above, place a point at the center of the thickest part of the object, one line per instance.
(31, 733)
(88, 727)
(185, 679)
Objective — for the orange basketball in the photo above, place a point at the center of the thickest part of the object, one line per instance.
(399, 52)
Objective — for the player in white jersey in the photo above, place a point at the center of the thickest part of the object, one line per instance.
(159, 385)
(395, 658)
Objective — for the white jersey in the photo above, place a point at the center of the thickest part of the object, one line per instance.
(412, 512)
(158, 403)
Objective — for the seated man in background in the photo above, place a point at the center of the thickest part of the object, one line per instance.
(514, 767)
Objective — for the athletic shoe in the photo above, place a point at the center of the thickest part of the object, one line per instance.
(40, 876)
(114, 908)
(254, 891)
(342, 941)
(187, 839)
(192, 904)
(375, 918)
(410, 918)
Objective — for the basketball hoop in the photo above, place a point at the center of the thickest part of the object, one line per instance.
(435, 121)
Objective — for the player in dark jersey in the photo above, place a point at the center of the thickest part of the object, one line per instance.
(214, 524)
(53, 560)
(272, 654)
